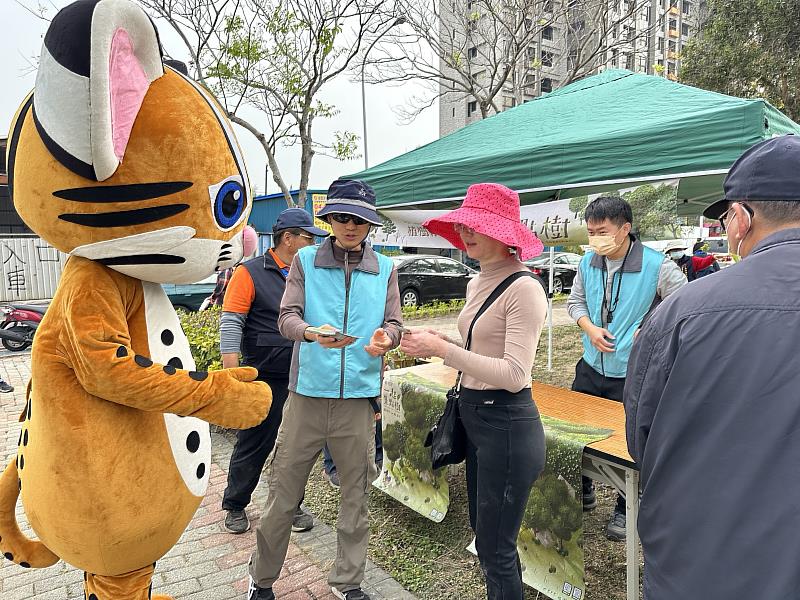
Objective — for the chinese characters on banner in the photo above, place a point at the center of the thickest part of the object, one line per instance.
(554, 222)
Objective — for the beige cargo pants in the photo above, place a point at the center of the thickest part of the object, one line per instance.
(348, 427)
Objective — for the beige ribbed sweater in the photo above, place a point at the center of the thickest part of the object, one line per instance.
(505, 337)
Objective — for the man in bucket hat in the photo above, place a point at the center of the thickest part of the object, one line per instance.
(249, 323)
(616, 284)
(343, 287)
(718, 448)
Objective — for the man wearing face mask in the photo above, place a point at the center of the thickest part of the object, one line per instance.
(718, 448)
(617, 283)
(692, 266)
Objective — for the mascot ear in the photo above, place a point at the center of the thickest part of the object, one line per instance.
(98, 60)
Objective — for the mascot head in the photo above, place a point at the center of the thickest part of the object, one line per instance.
(120, 159)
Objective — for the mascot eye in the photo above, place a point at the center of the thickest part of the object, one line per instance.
(229, 204)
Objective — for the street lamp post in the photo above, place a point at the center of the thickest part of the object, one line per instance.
(397, 21)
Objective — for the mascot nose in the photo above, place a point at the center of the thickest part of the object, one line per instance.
(249, 240)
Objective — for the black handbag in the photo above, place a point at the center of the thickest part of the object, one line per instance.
(447, 439)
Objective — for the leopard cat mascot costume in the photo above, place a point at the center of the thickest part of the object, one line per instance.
(132, 169)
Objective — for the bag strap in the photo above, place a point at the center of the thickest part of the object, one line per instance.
(496, 292)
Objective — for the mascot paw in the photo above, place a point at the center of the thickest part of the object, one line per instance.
(243, 402)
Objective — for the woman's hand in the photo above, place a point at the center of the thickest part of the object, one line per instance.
(379, 344)
(420, 343)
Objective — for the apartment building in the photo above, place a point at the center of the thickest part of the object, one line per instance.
(646, 38)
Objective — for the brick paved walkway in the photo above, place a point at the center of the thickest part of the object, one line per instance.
(207, 563)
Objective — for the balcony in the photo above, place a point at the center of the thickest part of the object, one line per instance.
(673, 10)
(672, 77)
(673, 33)
(672, 55)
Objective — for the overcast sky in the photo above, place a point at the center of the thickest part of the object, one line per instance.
(21, 42)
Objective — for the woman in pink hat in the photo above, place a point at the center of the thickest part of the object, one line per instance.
(505, 439)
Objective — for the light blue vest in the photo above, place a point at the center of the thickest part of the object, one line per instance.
(350, 372)
(636, 297)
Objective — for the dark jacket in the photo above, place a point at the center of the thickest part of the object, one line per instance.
(712, 404)
(263, 347)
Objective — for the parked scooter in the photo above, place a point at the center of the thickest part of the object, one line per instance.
(18, 325)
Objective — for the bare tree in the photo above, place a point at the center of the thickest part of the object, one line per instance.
(275, 56)
(488, 52)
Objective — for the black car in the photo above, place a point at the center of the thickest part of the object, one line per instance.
(565, 267)
(424, 278)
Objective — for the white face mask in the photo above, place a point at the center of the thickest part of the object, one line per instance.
(677, 254)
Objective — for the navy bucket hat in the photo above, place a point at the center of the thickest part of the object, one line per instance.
(297, 217)
(767, 171)
(351, 197)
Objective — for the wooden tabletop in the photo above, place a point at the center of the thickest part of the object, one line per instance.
(560, 404)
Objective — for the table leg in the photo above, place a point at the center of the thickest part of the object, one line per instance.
(631, 535)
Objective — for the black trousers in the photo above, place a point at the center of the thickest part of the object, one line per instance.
(252, 449)
(589, 381)
(505, 455)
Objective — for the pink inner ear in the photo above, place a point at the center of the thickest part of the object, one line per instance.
(128, 85)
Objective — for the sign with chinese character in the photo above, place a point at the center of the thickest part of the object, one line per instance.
(317, 202)
(553, 222)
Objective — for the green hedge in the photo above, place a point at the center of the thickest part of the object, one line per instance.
(202, 331)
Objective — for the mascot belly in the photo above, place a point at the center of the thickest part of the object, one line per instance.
(132, 169)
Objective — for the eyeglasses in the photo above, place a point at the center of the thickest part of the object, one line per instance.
(724, 216)
(461, 228)
(305, 235)
(344, 218)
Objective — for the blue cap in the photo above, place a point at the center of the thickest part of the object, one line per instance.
(351, 197)
(768, 171)
(297, 217)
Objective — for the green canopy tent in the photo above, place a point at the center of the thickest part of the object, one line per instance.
(613, 130)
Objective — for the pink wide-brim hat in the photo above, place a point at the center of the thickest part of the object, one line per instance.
(493, 210)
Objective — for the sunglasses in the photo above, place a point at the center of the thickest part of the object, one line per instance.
(724, 216)
(345, 218)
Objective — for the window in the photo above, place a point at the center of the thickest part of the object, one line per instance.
(630, 33)
(532, 52)
(686, 5)
(642, 64)
(422, 266)
(472, 107)
(660, 44)
(472, 52)
(547, 33)
(572, 59)
(548, 6)
(530, 80)
(673, 24)
(671, 68)
(684, 30)
(450, 267)
(547, 85)
(547, 59)
(673, 3)
(672, 46)
(454, 112)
